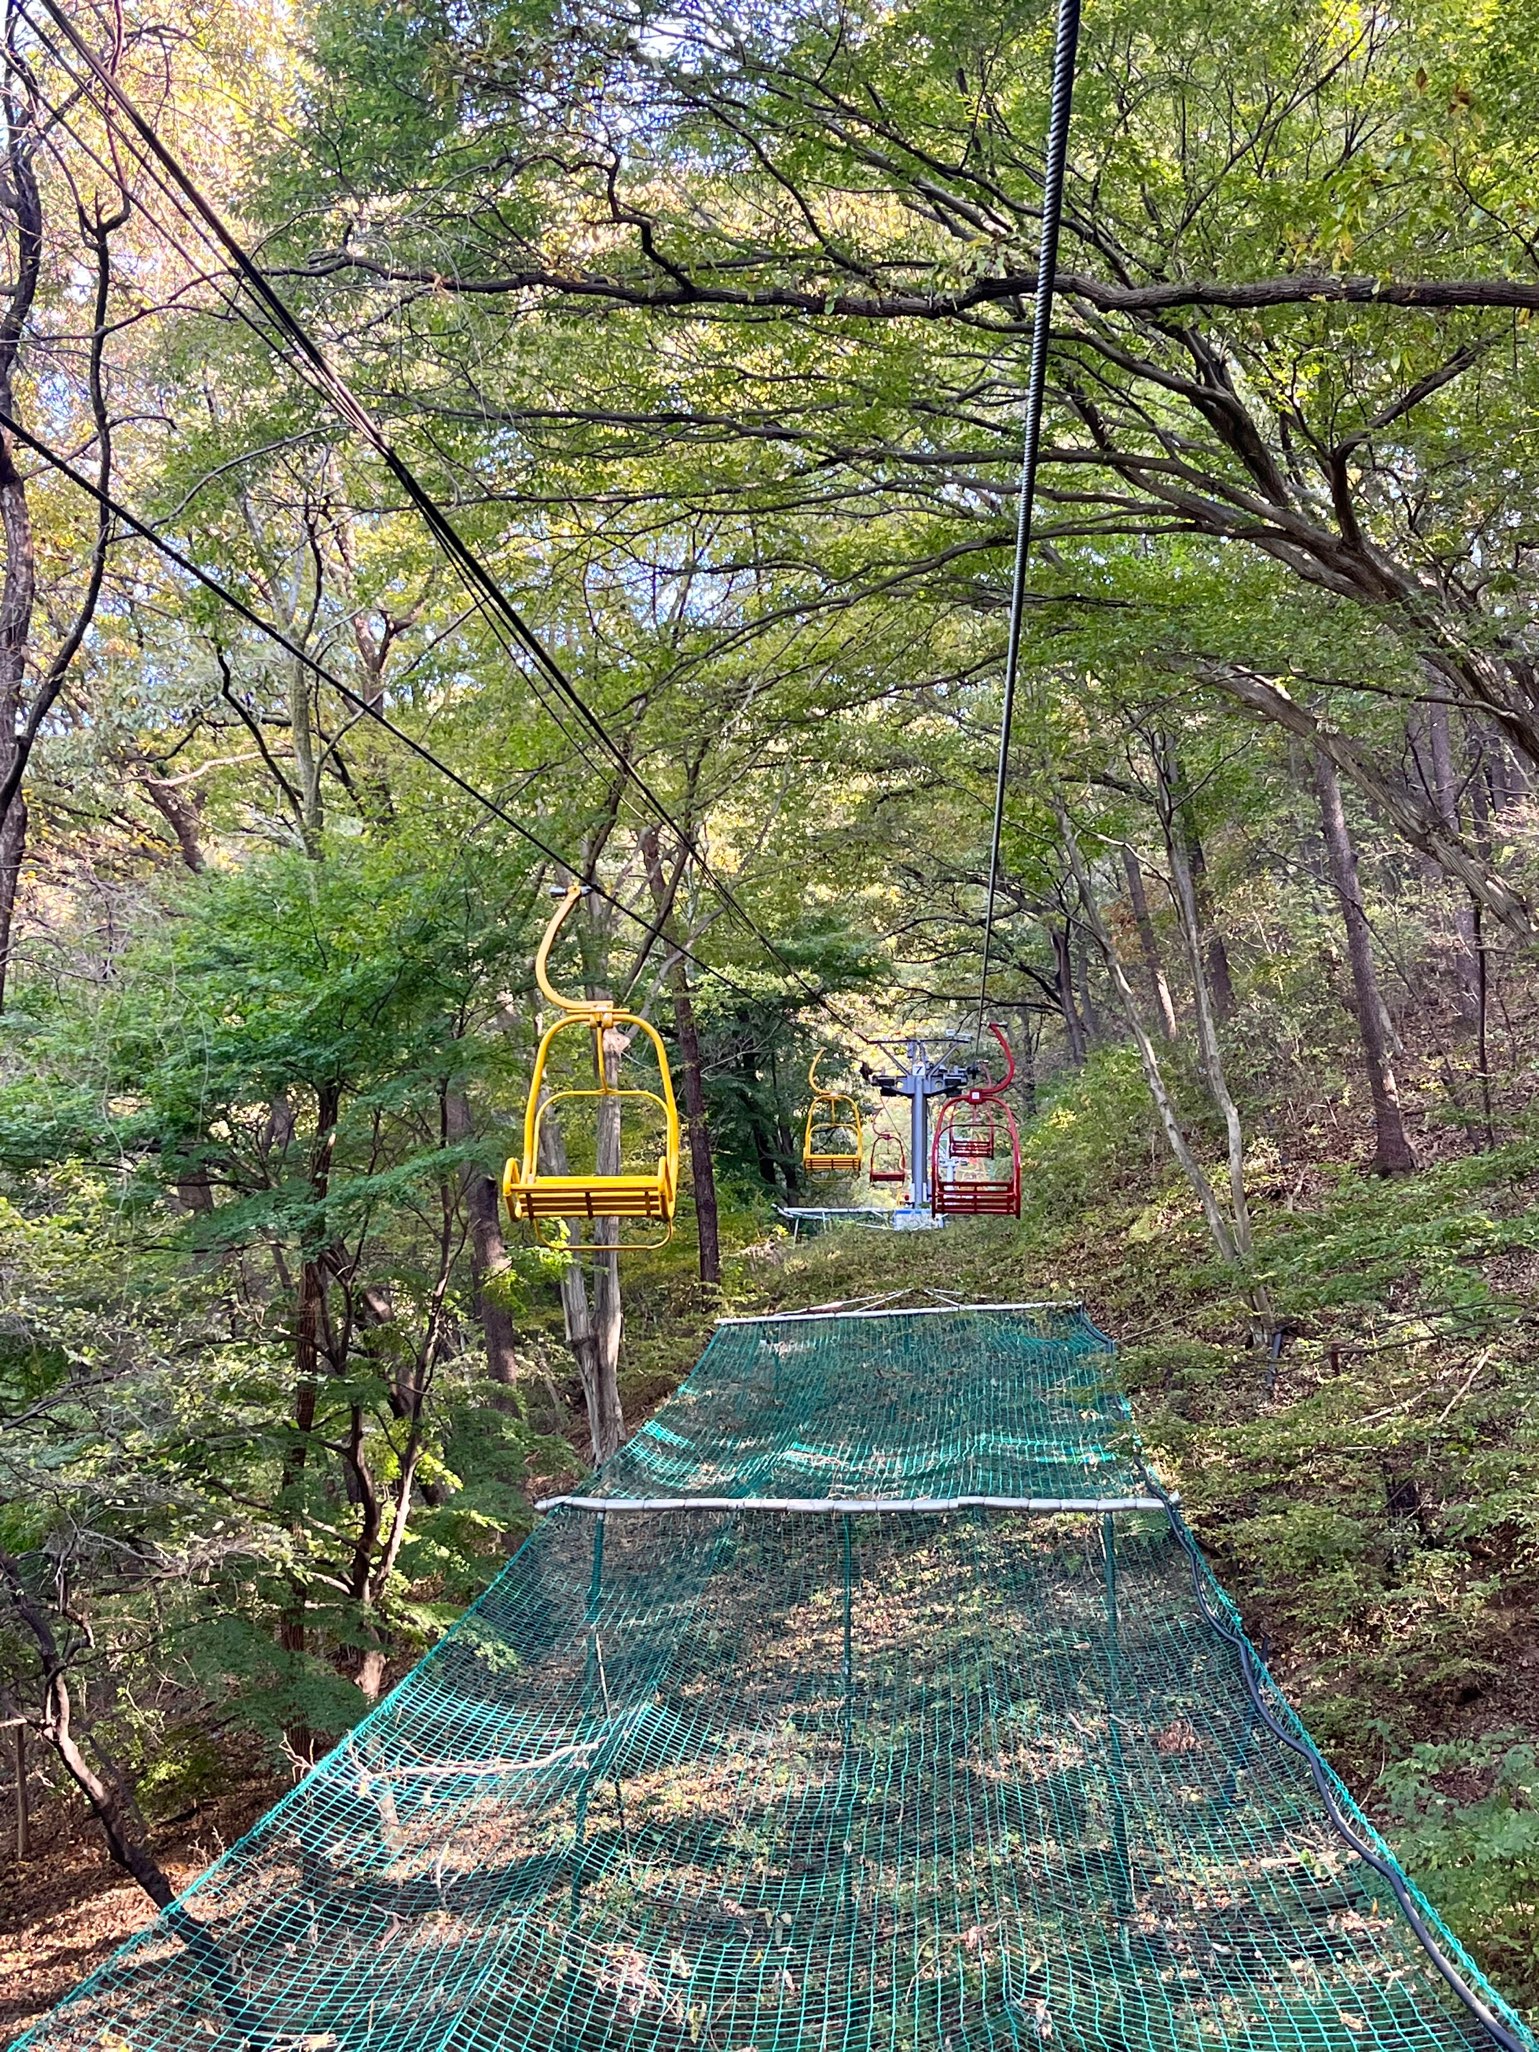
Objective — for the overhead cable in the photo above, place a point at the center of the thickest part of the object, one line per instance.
(319, 371)
(365, 706)
(1065, 50)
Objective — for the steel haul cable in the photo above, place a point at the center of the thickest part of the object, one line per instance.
(313, 362)
(1065, 50)
(364, 706)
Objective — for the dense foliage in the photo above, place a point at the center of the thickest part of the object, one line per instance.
(708, 326)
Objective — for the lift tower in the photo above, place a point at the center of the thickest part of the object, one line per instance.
(931, 1069)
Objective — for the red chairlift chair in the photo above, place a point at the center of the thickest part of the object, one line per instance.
(975, 1137)
(975, 1151)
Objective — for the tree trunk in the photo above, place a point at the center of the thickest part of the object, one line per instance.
(1482, 790)
(1064, 982)
(581, 1338)
(601, 1393)
(608, 1331)
(488, 1251)
(307, 1371)
(292, 1622)
(1445, 796)
(1087, 1011)
(759, 1129)
(179, 814)
(309, 1357)
(702, 1168)
(1393, 1155)
(18, 588)
(17, 591)
(307, 773)
(104, 1789)
(1164, 1104)
(785, 1144)
(13, 843)
(1482, 1023)
(1138, 898)
(1209, 1053)
(1215, 954)
(110, 1804)
(1026, 1067)
(19, 1763)
(195, 1193)
(1509, 783)
(1179, 840)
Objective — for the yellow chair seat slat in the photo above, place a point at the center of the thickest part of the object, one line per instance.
(592, 1197)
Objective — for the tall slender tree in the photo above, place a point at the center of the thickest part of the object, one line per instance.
(1392, 1151)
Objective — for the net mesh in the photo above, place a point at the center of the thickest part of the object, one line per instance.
(745, 1780)
(934, 1404)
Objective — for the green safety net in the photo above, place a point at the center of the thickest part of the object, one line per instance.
(890, 1405)
(746, 1780)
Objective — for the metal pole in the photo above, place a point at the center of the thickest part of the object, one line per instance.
(919, 1124)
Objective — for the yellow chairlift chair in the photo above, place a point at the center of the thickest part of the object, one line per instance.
(834, 1139)
(634, 1194)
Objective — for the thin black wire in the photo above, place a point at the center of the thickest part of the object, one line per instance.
(653, 932)
(233, 302)
(1065, 48)
(479, 581)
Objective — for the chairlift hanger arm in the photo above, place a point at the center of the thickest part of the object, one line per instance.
(574, 892)
(1008, 1052)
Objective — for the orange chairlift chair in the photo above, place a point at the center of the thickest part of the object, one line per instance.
(635, 1194)
(889, 1158)
(834, 1138)
(975, 1153)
